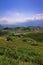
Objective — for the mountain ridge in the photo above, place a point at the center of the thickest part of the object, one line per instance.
(27, 23)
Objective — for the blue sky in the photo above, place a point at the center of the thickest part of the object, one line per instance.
(13, 11)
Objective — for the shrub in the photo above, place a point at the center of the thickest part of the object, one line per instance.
(9, 39)
(24, 40)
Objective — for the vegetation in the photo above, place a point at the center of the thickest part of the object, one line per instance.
(21, 46)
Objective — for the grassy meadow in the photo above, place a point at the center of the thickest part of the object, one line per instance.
(21, 46)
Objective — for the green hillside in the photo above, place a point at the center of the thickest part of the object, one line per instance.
(21, 46)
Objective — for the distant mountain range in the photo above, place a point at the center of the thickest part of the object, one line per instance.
(31, 23)
(1, 27)
(27, 23)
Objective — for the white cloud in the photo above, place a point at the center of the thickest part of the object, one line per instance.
(19, 17)
(38, 17)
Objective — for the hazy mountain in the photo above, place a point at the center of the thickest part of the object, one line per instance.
(31, 23)
(1, 27)
(27, 23)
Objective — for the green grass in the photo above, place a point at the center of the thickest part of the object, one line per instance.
(23, 50)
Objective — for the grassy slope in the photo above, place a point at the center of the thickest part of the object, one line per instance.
(20, 52)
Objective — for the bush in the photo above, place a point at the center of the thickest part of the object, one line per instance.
(24, 40)
(9, 39)
(25, 58)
